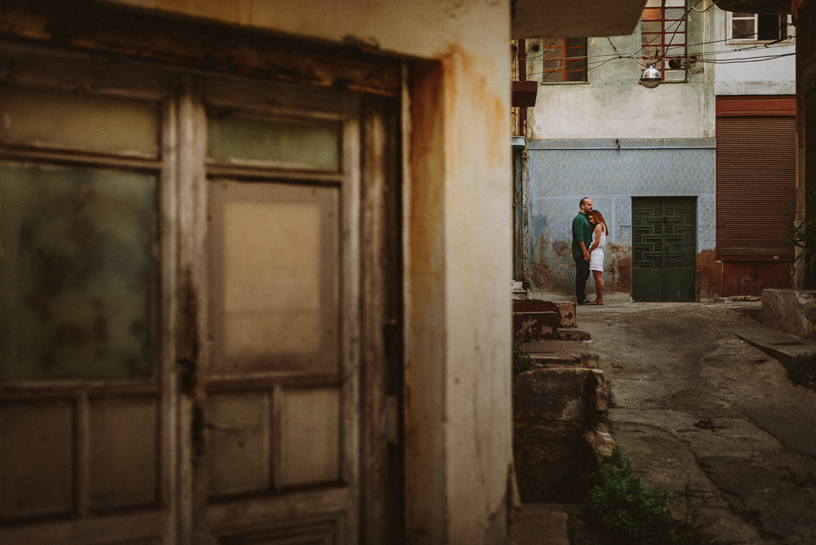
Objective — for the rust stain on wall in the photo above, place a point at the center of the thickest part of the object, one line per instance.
(548, 274)
(462, 67)
(554, 271)
(562, 249)
(618, 269)
(709, 275)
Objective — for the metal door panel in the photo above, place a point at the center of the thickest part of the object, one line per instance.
(664, 248)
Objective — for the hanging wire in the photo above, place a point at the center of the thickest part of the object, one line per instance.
(701, 56)
(775, 43)
(613, 47)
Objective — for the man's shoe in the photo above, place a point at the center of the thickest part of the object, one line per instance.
(583, 302)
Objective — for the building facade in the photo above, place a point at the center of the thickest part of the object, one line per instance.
(648, 157)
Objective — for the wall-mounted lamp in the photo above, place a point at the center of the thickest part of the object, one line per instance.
(650, 77)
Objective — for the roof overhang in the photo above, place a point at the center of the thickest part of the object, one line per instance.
(575, 19)
(755, 6)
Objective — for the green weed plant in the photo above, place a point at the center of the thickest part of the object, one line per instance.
(802, 368)
(620, 510)
(521, 359)
(802, 236)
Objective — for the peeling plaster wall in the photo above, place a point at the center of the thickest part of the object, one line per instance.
(458, 236)
(562, 172)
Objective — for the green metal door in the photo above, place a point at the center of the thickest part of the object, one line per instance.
(664, 248)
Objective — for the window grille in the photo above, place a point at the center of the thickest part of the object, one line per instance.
(663, 37)
(552, 60)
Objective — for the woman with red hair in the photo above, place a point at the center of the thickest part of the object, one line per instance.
(596, 253)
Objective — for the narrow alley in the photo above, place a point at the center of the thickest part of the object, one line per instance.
(708, 417)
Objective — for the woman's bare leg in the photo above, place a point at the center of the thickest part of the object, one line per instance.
(599, 286)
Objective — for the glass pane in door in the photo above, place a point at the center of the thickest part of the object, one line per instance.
(303, 144)
(77, 270)
(78, 121)
(274, 266)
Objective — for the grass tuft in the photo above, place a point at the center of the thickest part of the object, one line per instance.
(802, 368)
(521, 359)
(620, 510)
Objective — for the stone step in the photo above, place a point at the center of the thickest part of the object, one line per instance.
(535, 320)
(557, 335)
(540, 524)
(557, 353)
(565, 310)
(553, 409)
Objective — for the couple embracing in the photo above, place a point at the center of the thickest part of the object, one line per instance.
(589, 232)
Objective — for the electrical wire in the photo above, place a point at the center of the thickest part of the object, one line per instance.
(600, 60)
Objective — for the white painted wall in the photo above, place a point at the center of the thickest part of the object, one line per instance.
(769, 77)
(613, 105)
(458, 241)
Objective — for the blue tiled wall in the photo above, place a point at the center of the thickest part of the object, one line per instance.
(610, 172)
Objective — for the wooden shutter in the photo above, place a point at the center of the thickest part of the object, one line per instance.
(756, 186)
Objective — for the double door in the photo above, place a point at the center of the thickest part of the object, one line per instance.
(664, 242)
(188, 325)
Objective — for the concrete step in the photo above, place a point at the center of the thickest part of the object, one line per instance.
(570, 335)
(532, 334)
(564, 311)
(781, 346)
(536, 320)
(541, 524)
(548, 354)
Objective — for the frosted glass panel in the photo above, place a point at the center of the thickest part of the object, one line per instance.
(78, 121)
(238, 443)
(310, 436)
(274, 266)
(124, 452)
(244, 139)
(36, 460)
(76, 273)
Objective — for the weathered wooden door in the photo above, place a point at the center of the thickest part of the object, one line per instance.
(664, 242)
(196, 287)
(274, 356)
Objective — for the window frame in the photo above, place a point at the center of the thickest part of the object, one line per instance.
(536, 60)
(661, 59)
(786, 32)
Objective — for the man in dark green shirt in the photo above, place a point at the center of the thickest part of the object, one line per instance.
(581, 240)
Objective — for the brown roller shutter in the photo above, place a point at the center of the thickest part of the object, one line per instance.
(756, 186)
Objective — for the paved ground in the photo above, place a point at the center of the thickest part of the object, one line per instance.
(710, 417)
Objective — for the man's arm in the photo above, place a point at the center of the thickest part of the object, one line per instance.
(584, 249)
(581, 230)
